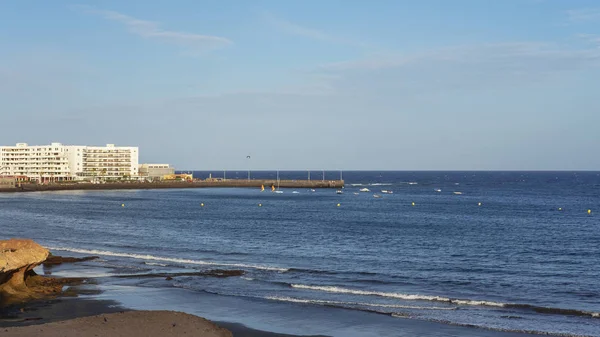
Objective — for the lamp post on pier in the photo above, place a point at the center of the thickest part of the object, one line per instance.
(248, 157)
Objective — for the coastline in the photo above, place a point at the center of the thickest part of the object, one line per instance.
(78, 311)
(267, 183)
(244, 317)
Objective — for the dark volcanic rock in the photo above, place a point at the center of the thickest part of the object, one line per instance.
(55, 259)
(206, 273)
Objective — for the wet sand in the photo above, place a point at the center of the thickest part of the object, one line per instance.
(66, 317)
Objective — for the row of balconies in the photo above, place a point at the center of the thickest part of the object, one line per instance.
(105, 165)
(107, 156)
(106, 151)
(35, 158)
(30, 153)
(45, 164)
(42, 169)
(27, 150)
(38, 173)
(117, 163)
(54, 164)
(35, 162)
(92, 169)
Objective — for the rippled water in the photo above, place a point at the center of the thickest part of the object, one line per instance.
(515, 251)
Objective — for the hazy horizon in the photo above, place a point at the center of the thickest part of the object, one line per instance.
(433, 85)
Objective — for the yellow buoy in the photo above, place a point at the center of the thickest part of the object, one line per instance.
(259, 205)
(202, 204)
(338, 205)
(413, 203)
(122, 205)
(589, 211)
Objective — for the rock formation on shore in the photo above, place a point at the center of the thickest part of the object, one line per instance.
(18, 281)
(17, 259)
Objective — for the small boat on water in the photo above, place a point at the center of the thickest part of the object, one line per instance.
(438, 190)
(376, 196)
(295, 192)
(387, 192)
(458, 193)
(339, 192)
(278, 191)
(356, 193)
(313, 190)
(365, 190)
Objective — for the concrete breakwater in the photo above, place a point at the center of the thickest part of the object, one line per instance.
(179, 184)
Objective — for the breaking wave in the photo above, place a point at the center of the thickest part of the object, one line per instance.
(455, 301)
(165, 259)
(345, 304)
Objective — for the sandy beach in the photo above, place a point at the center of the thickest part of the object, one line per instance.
(130, 323)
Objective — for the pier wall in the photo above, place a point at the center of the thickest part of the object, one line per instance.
(178, 184)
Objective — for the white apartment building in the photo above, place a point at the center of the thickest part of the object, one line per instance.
(58, 162)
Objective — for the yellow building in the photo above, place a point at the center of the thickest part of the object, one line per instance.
(178, 177)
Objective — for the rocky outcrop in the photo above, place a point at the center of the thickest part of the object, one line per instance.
(53, 260)
(17, 259)
(221, 273)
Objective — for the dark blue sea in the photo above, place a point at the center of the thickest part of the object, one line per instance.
(507, 251)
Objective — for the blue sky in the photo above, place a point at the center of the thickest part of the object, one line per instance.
(338, 84)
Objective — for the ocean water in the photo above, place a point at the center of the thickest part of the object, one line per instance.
(515, 251)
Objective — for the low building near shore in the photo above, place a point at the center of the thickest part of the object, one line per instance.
(8, 183)
(178, 177)
(155, 171)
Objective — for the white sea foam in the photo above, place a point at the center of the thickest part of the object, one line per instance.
(165, 259)
(299, 300)
(156, 264)
(332, 289)
(356, 184)
(247, 278)
(381, 184)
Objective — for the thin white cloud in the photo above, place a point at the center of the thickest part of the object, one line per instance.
(306, 32)
(522, 56)
(152, 30)
(477, 67)
(583, 15)
(591, 38)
